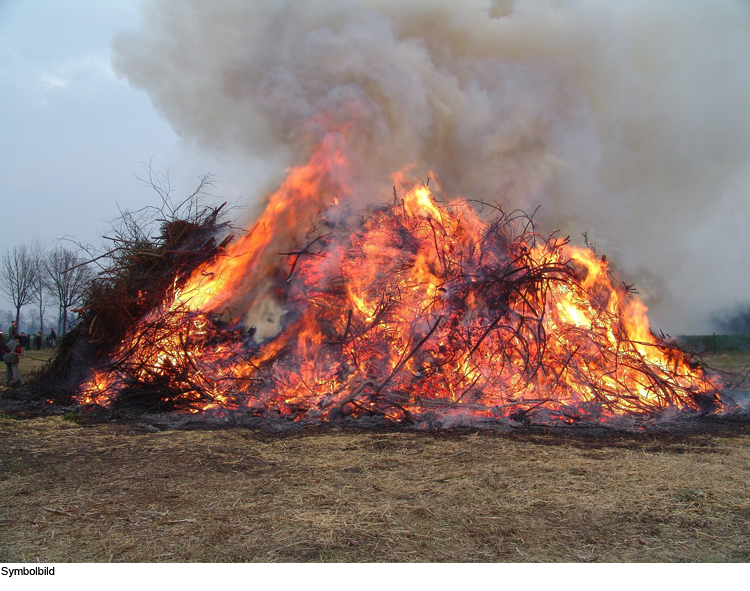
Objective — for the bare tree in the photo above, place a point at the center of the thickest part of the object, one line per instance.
(18, 276)
(67, 277)
(40, 288)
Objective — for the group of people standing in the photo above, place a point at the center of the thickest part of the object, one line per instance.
(12, 350)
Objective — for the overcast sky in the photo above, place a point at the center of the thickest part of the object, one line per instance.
(72, 133)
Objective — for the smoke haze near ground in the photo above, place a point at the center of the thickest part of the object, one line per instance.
(626, 120)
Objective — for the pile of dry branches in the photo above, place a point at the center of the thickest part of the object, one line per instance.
(150, 252)
(477, 344)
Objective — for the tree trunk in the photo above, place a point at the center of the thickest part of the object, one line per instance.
(41, 311)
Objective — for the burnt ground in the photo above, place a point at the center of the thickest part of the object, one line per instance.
(79, 490)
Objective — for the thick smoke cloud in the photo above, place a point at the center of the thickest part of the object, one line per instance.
(628, 120)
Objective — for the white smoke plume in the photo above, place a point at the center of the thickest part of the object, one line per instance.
(629, 120)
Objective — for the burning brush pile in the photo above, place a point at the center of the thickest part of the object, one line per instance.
(413, 310)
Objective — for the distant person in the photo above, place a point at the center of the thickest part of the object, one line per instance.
(24, 340)
(11, 358)
(13, 330)
(52, 337)
(38, 340)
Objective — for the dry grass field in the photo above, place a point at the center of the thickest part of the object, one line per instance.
(74, 490)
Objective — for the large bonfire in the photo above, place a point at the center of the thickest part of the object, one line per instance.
(416, 310)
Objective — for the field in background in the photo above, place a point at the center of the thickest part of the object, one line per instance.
(77, 491)
(713, 344)
(726, 353)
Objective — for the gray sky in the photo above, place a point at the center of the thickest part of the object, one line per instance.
(72, 133)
